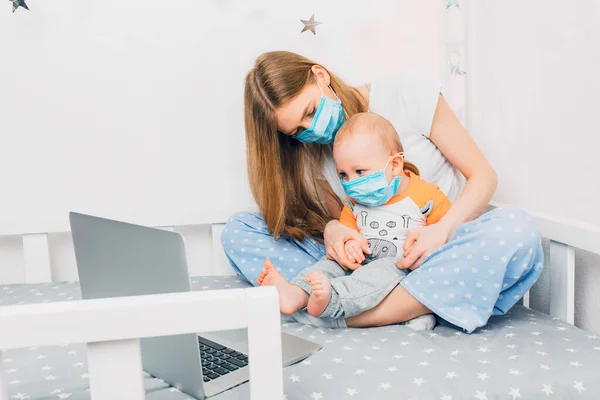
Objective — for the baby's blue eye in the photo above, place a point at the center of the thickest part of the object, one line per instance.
(360, 171)
(343, 176)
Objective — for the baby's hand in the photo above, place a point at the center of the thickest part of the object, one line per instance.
(354, 251)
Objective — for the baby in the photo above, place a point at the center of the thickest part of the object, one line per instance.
(386, 199)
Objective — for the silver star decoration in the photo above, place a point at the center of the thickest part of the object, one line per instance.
(454, 47)
(310, 25)
(455, 69)
(19, 3)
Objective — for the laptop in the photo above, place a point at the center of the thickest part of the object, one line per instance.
(117, 259)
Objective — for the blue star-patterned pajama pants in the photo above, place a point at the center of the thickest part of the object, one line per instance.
(485, 268)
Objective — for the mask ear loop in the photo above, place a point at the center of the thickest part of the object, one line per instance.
(401, 154)
(322, 94)
(330, 88)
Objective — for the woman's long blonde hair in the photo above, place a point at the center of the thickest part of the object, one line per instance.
(283, 172)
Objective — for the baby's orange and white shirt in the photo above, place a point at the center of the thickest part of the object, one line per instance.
(386, 227)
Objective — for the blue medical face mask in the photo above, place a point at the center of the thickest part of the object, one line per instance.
(373, 190)
(328, 119)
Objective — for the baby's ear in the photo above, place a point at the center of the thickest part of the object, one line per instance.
(398, 165)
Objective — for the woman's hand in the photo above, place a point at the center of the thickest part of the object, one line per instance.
(336, 235)
(421, 242)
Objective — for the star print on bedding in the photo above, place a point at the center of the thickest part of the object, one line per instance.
(522, 355)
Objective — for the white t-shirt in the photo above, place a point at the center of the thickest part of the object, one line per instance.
(409, 102)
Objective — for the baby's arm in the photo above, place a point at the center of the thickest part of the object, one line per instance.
(354, 250)
(352, 247)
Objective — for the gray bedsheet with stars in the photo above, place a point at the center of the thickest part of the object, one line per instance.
(523, 355)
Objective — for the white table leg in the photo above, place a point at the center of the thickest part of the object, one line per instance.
(115, 370)
(264, 345)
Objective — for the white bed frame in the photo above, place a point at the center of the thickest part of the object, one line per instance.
(112, 327)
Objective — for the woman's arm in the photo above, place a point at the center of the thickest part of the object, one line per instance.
(455, 143)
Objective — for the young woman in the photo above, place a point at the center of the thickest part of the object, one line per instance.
(293, 109)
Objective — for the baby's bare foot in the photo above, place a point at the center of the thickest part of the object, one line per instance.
(291, 297)
(321, 293)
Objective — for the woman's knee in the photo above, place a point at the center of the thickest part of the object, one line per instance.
(516, 223)
(239, 227)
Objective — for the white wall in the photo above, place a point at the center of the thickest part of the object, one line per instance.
(533, 89)
(132, 109)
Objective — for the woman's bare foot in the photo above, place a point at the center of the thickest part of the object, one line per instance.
(321, 293)
(291, 297)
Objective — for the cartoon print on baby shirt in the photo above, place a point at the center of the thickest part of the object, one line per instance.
(405, 221)
(380, 248)
(386, 227)
(427, 208)
(363, 217)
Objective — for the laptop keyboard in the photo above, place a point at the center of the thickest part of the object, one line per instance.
(218, 360)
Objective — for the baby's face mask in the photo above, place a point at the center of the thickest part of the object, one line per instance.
(374, 189)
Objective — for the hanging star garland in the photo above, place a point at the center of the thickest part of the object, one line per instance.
(310, 25)
(452, 3)
(454, 47)
(455, 69)
(18, 3)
